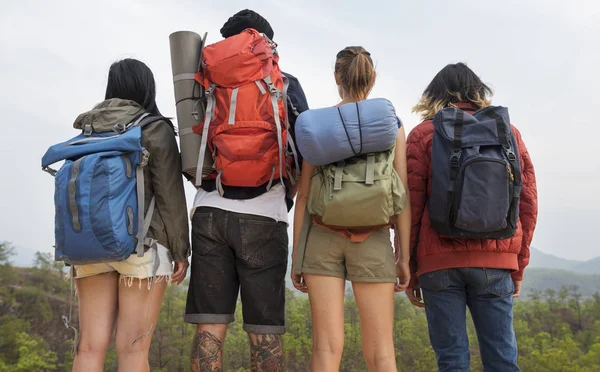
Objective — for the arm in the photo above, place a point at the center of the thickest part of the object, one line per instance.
(167, 183)
(418, 165)
(301, 200)
(403, 219)
(528, 206)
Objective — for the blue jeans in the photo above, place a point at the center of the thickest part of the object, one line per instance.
(488, 295)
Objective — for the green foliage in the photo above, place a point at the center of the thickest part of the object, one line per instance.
(33, 355)
(6, 252)
(557, 329)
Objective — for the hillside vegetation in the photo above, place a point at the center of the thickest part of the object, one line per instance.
(557, 330)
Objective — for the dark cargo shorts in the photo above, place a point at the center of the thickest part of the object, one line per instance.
(231, 253)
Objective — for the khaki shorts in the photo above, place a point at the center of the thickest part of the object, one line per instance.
(330, 254)
(156, 262)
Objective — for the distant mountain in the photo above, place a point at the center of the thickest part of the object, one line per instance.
(589, 267)
(540, 259)
(543, 279)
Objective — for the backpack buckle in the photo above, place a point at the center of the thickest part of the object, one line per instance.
(455, 158)
(510, 154)
(120, 128)
(87, 130)
(145, 158)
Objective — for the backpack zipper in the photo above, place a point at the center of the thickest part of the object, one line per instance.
(510, 173)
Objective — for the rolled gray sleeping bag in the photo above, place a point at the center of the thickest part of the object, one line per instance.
(322, 139)
(185, 57)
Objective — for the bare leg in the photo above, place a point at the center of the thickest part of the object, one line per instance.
(375, 303)
(326, 294)
(139, 309)
(266, 353)
(97, 315)
(207, 348)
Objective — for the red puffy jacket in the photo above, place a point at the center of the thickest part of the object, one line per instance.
(430, 252)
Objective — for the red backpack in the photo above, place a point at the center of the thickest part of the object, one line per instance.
(246, 122)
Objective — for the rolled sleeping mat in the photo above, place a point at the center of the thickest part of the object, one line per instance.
(322, 138)
(186, 47)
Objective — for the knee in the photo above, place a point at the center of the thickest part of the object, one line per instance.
(329, 346)
(380, 362)
(93, 347)
(133, 341)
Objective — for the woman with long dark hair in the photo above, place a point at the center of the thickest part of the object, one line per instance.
(127, 295)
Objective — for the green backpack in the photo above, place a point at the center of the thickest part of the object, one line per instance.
(360, 192)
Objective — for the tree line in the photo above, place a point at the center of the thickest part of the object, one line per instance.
(556, 330)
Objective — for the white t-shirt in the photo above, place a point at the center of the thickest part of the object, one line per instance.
(270, 204)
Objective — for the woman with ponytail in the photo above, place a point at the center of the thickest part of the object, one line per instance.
(330, 255)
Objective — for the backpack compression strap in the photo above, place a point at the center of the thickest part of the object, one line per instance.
(143, 221)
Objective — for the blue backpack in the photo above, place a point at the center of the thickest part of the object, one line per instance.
(476, 174)
(99, 195)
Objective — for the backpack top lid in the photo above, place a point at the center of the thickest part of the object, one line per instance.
(331, 134)
(478, 129)
(237, 60)
(99, 132)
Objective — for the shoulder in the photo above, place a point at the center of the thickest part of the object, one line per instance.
(158, 133)
(421, 132)
(294, 83)
(290, 77)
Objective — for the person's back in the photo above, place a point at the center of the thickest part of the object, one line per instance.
(453, 272)
(105, 188)
(239, 233)
(348, 199)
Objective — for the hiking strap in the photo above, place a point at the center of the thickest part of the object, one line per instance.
(290, 140)
(67, 320)
(210, 110)
(260, 86)
(186, 131)
(233, 106)
(370, 176)
(184, 76)
(455, 158)
(219, 183)
(73, 194)
(275, 96)
(271, 178)
(507, 146)
(143, 221)
(294, 110)
(339, 174)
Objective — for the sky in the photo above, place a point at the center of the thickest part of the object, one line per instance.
(540, 57)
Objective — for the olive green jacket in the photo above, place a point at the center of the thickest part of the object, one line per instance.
(162, 175)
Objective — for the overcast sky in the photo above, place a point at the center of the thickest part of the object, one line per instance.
(541, 58)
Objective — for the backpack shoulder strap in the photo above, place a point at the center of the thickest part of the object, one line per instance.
(149, 119)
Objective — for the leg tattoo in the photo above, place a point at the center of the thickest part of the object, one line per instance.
(206, 353)
(266, 353)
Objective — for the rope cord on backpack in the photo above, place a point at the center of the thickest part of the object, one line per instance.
(348, 134)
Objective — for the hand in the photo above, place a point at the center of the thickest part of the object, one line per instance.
(414, 296)
(298, 281)
(179, 272)
(403, 275)
(517, 288)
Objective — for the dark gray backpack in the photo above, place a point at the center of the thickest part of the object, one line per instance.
(476, 174)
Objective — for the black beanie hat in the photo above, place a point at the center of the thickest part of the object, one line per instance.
(246, 19)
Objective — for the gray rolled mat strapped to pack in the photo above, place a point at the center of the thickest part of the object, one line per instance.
(186, 47)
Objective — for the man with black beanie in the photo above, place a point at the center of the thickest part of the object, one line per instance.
(240, 243)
